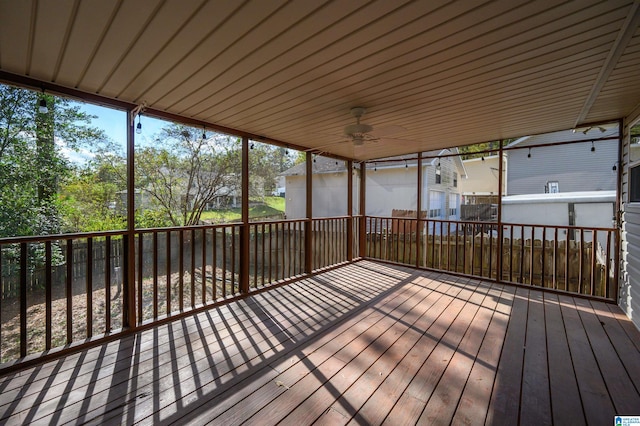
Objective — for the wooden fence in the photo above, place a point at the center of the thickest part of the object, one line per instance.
(583, 267)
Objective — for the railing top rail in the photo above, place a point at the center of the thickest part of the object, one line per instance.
(56, 237)
(537, 225)
(471, 222)
(331, 217)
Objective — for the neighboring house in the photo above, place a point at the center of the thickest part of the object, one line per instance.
(589, 209)
(391, 185)
(481, 184)
(586, 166)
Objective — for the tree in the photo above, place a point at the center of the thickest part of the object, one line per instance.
(31, 160)
(185, 172)
(266, 162)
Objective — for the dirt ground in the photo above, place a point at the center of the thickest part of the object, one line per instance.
(36, 310)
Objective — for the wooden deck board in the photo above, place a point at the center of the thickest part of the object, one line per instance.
(596, 400)
(535, 401)
(565, 397)
(508, 380)
(368, 375)
(366, 343)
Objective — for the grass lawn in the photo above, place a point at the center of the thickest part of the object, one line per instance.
(273, 206)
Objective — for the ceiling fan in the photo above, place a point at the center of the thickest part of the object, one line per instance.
(360, 133)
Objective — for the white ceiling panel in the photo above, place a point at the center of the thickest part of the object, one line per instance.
(449, 72)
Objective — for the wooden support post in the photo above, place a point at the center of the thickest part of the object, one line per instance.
(419, 212)
(308, 235)
(613, 291)
(350, 210)
(500, 227)
(244, 229)
(128, 285)
(362, 231)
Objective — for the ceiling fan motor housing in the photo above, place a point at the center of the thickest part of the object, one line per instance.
(357, 129)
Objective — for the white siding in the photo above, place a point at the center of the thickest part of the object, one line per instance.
(389, 189)
(329, 194)
(629, 290)
(295, 197)
(574, 167)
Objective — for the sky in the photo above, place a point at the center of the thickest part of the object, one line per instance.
(114, 123)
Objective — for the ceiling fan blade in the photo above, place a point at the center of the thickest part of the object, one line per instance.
(321, 147)
(383, 131)
(397, 141)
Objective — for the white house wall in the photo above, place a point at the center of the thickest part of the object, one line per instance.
(574, 167)
(482, 176)
(295, 205)
(629, 289)
(588, 215)
(389, 189)
(329, 195)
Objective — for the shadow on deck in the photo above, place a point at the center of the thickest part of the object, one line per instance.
(365, 343)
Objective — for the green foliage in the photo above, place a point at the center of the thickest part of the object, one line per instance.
(32, 163)
(184, 173)
(480, 149)
(272, 207)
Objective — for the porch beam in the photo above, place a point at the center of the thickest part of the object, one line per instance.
(55, 89)
(625, 35)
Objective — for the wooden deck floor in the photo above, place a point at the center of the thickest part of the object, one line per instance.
(364, 344)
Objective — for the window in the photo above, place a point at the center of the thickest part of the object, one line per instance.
(436, 204)
(552, 187)
(454, 202)
(455, 179)
(438, 173)
(634, 184)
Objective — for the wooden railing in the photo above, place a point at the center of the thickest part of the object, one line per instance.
(65, 289)
(569, 258)
(69, 288)
(60, 290)
(276, 251)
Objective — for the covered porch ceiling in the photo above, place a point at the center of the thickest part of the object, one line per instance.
(449, 73)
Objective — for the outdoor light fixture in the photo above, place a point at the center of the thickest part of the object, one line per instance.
(204, 134)
(375, 167)
(43, 106)
(406, 166)
(483, 158)
(251, 146)
(139, 126)
(529, 154)
(615, 167)
(593, 148)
